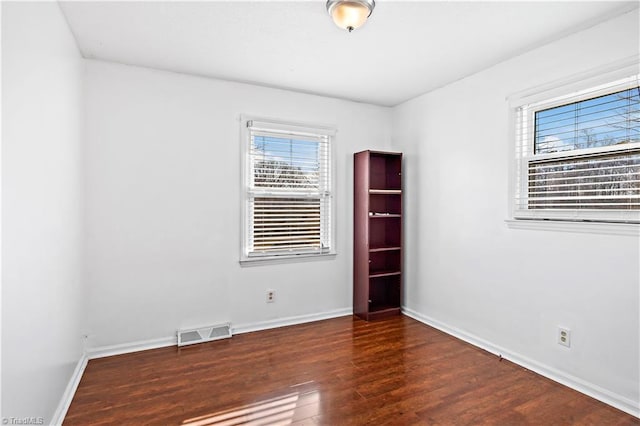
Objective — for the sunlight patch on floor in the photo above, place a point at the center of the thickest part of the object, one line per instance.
(274, 411)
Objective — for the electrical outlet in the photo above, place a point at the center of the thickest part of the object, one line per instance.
(271, 296)
(564, 337)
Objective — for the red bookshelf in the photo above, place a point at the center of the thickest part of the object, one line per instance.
(377, 247)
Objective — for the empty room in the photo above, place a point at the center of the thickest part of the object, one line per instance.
(342, 212)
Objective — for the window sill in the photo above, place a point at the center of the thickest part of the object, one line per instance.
(275, 260)
(629, 229)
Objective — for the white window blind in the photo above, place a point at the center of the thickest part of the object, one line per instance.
(288, 208)
(578, 155)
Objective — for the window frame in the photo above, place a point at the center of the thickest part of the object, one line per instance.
(286, 128)
(574, 89)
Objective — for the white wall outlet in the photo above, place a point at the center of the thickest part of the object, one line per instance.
(271, 296)
(564, 337)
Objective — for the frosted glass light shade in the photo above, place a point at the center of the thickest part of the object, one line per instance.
(350, 14)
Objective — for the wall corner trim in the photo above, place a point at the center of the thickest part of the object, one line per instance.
(283, 322)
(125, 348)
(610, 398)
(70, 391)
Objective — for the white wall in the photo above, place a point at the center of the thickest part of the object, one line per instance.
(467, 270)
(41, 208)
(163, 204)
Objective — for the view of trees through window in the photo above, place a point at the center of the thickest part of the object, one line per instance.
(609, 179)
(603, 121)
(289, 217)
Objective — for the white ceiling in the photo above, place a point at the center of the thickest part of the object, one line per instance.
(404, 50)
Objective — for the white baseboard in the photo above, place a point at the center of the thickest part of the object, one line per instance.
(70, 391)
(618, 401)
(283, 322)
(125, 348)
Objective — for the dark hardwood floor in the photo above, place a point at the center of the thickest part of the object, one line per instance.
(342, 371)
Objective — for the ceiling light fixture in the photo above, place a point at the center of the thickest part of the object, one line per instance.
(350, 14)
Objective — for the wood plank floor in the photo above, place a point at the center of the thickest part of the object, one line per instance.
(342, 371)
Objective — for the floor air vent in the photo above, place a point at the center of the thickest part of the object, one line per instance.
(204, 334)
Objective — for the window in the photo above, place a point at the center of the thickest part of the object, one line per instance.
(288, 191)
(578, 155)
